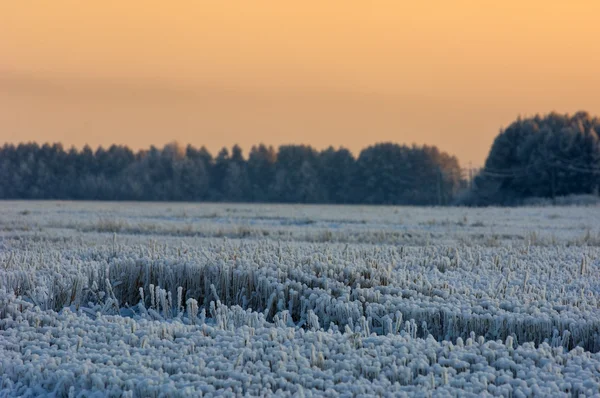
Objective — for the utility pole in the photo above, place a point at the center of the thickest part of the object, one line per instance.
(439, 186)
(470, 176)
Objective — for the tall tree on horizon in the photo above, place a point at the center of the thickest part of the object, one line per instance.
(542, 156)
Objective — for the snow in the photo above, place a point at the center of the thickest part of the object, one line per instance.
(183, 299)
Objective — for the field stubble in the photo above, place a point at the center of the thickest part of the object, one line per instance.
(318, 300)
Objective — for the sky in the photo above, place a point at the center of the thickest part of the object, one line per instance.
(342, 73)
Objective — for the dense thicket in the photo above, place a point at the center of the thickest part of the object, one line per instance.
(543, 156)
(382, 174)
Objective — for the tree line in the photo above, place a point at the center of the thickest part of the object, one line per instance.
(541, 156)
(382, 174)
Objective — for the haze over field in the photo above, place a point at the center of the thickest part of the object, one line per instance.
(337, 73)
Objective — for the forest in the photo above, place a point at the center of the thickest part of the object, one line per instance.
(541, 157)
(382, 174)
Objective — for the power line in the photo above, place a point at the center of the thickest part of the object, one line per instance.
(524, 171)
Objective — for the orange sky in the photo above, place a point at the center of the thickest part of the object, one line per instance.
(351, 73)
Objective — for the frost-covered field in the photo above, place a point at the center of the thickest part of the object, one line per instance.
(129, 299)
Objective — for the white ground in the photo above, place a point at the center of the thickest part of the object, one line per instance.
(188, 299)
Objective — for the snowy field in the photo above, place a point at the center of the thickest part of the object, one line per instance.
(143, 300)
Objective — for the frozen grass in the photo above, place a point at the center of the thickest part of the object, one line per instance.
(336, 300)
(66, 354)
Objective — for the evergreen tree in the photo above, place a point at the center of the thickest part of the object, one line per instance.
(547, 156)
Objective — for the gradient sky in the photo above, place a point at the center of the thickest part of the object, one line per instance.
(350, 73)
